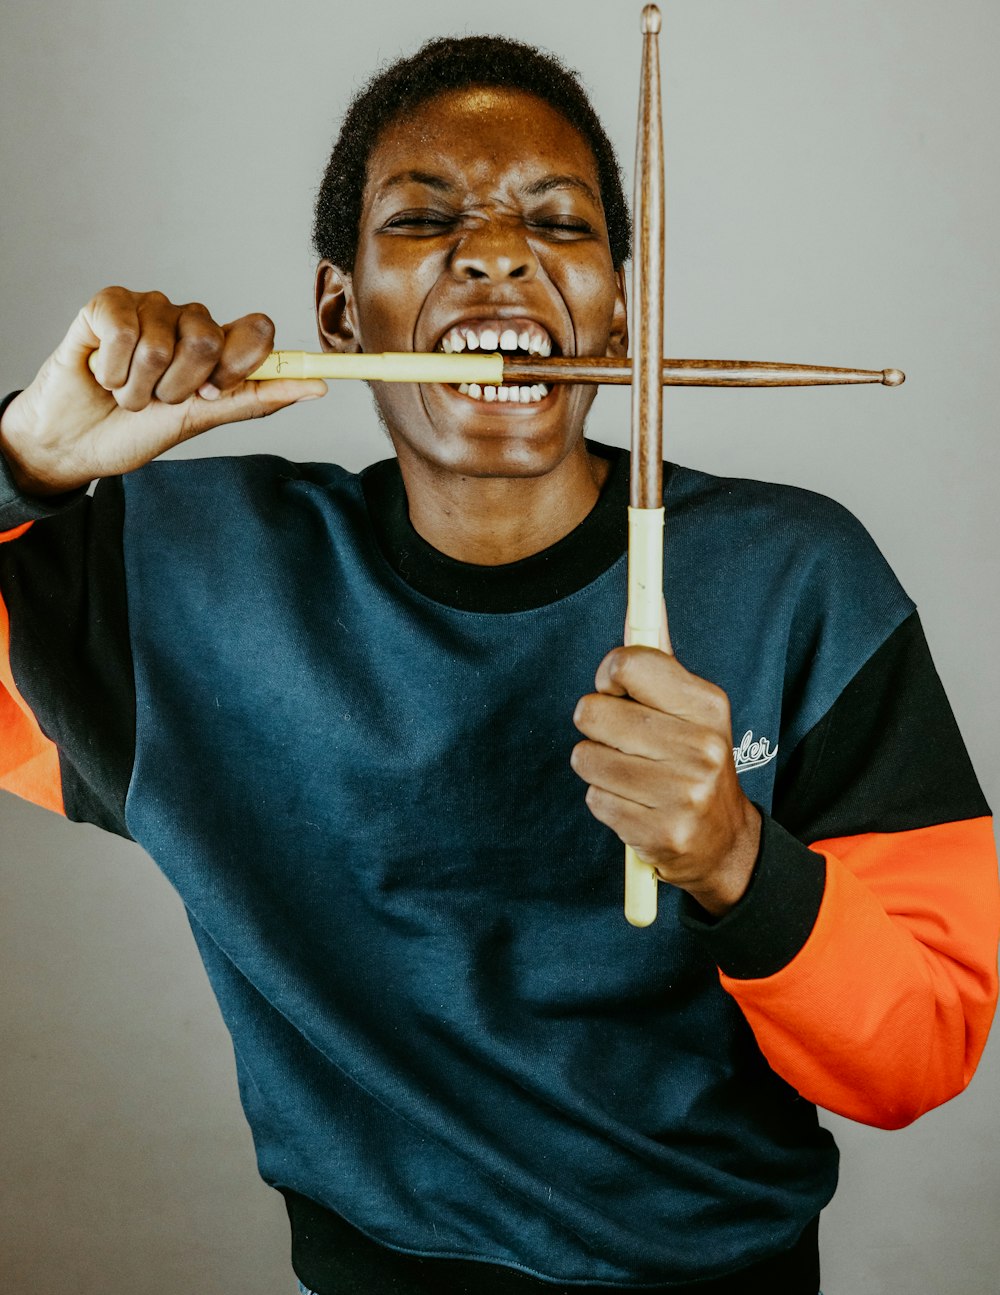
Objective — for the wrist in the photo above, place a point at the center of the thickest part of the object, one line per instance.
(11, 436)
(730, 879)
(9, 433)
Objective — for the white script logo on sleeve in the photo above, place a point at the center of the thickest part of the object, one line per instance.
(752, 752)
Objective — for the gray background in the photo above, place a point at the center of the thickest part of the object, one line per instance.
(831, 198)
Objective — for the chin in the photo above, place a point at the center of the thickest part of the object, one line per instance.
(476, 439)
(501, 453)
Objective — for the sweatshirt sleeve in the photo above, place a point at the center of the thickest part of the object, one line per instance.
(67, 692)
(864, 953)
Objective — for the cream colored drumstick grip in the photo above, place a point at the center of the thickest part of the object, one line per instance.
(389, 366)
(645, 611)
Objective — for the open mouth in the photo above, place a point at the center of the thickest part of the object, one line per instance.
(510, 337)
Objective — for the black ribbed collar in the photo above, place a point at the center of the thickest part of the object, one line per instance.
(566, 566)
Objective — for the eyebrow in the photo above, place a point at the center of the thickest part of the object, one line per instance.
(562, 182)
(427, 178)
(545, 185)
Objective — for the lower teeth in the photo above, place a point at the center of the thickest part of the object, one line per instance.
(514, 395)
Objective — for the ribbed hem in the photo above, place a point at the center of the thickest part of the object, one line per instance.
(776, 915)
(332, 1257)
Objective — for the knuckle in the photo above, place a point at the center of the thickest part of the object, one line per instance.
(262, 326)
(259, 410)
(720, 702)
(123, 335)
(594, 797)
(585, 710)
(718, 749)
(154, 354)
(203, 346)
(619, 666)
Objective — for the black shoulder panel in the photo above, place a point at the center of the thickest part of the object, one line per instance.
(63, 582)
(886, 757)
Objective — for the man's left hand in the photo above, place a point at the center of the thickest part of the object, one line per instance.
(659, 761)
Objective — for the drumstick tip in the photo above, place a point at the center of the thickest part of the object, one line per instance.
(893, 378)
(650, 19)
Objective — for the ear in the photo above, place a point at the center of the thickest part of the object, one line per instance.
(618, 337)
(336, 309)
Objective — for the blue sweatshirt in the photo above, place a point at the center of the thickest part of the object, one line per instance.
(350, 756)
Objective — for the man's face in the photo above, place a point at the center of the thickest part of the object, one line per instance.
(481, 215)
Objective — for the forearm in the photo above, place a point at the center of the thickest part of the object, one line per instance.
(882, 1011)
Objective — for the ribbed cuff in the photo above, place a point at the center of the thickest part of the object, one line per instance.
(770, 924)
(16, 508)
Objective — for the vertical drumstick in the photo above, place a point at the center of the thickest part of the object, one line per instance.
(645, 514)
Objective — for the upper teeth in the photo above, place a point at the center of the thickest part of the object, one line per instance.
(493, 337)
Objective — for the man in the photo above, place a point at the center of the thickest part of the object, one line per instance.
(349, 717)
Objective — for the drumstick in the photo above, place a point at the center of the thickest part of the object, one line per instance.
(493, 368)
(645, 514)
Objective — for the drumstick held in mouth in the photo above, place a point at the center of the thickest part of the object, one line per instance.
(497, 368)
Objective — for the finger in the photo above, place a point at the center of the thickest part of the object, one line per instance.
(630, 727)
(682, 787)
(109, 321)
(631, 777)
(153, 352)
(633, 824)
(246, 344)
(697, 767)
(196, 353)
(659, 681)
(249, 400)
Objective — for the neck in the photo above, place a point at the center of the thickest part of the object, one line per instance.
(490, 521)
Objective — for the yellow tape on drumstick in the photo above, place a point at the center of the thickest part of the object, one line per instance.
(388, 366)
(645, 609)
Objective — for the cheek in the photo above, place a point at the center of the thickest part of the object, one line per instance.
(589, 291)
(390, 291)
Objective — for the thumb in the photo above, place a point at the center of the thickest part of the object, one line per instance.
(75, 348)
(252, 400)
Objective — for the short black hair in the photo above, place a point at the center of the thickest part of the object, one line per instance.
(455, 63)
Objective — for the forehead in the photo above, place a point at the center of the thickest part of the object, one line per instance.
(482, 132)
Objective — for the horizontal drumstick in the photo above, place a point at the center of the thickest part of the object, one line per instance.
(496, 369)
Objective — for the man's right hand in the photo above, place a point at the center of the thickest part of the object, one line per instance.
(156, 372)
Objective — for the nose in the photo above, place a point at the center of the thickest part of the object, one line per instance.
(494, 251)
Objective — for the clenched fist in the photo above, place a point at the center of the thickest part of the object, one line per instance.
(659, 761)
(164, 373)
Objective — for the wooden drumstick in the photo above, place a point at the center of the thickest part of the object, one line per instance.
(645, 514)
(497, 368)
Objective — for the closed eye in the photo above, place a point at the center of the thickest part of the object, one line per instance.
(412, 219)
(569, 226)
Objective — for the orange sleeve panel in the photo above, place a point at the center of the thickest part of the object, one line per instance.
(884, 1012)
(29, 761)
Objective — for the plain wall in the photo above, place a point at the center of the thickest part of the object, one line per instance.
(832, 192)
